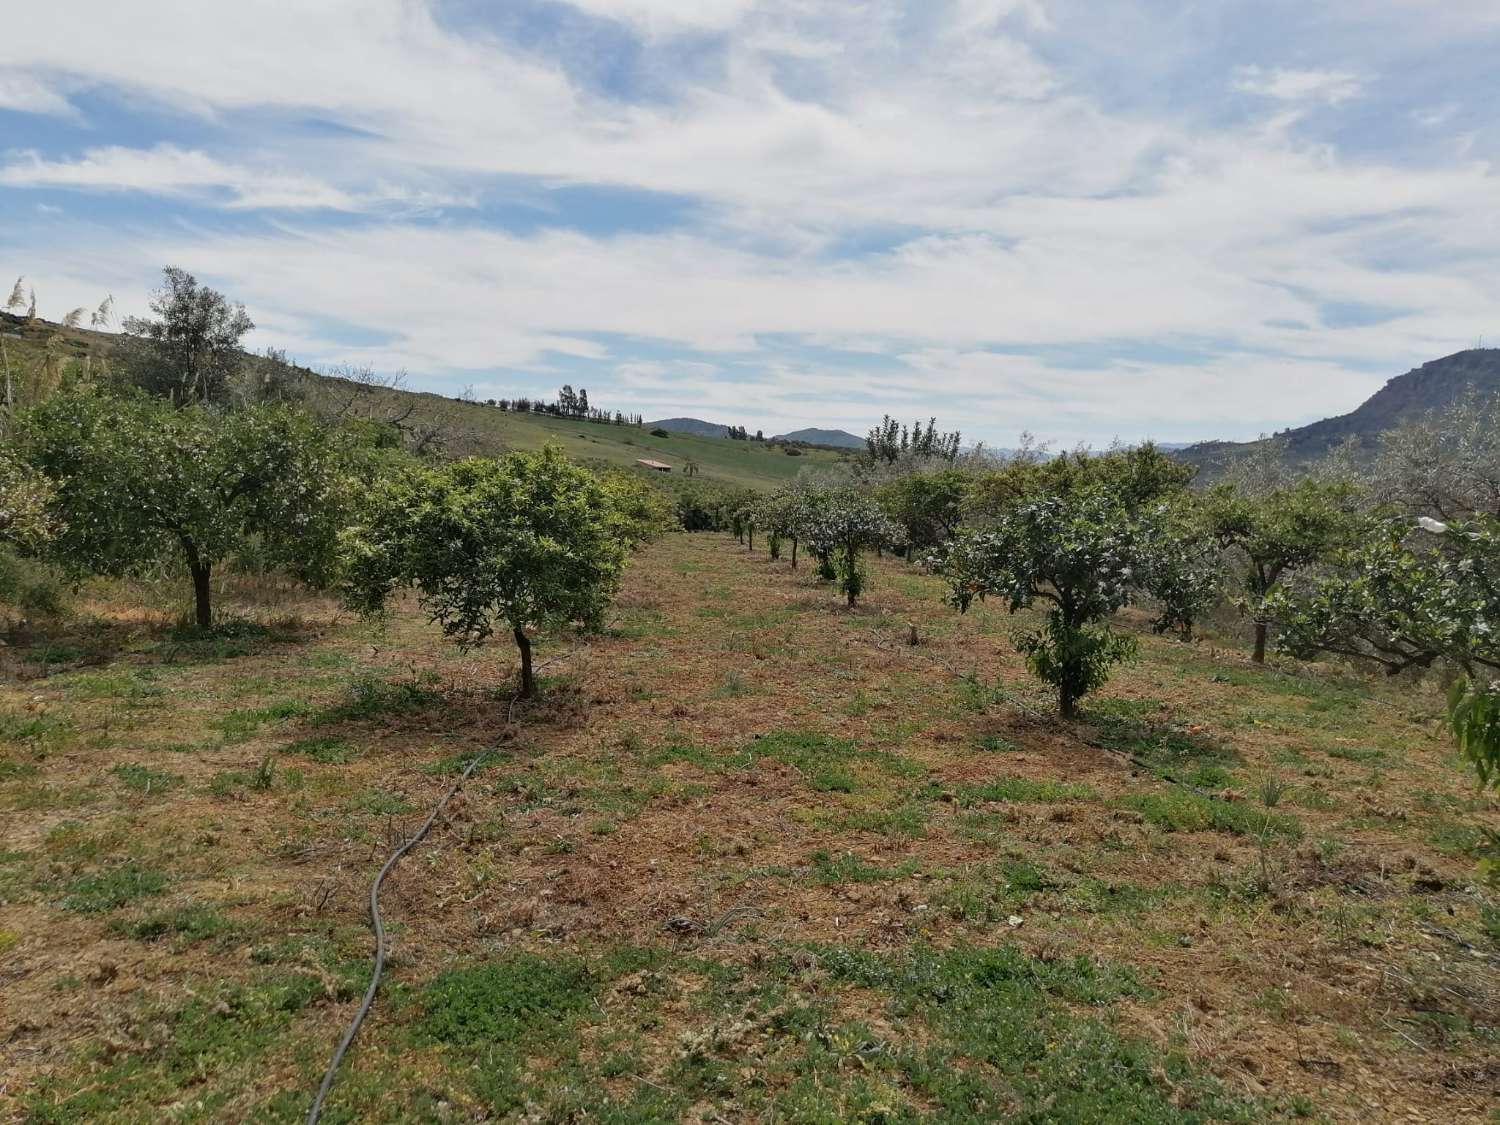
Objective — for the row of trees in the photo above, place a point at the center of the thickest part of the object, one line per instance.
(569, 404)
(1334, 560)
(176, 468)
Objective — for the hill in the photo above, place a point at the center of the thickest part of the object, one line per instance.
(1403, 399)
(467, 428)
(839, 439)
(690, 426)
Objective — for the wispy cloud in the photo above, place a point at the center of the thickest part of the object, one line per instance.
(999, 208)
(1331, 86)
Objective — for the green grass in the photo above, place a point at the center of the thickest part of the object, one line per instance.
(196, 922)
(112, 888)
(520, 996)
(1176, 810)
(145, 780)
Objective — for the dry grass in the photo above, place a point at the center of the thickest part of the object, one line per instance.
(721, 806)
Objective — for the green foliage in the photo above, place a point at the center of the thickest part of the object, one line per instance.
(504, 1000)
(1077, 552)
(112, 888)
(927, 506)
(26, 516)
(1178, 810)
(519, 542)
(191, 353)
(1136, 477)
(1275, 532)
(1400, 600)
(839, 524)
(638, 511)
(1474, 712)
(1075, 660)
(1183, 571)
(197, 922)
(139, 480)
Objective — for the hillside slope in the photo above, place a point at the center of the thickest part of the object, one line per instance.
(1403, 399)
(841, 439)
(471, 427)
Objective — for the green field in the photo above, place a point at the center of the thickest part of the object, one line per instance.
(39, 350)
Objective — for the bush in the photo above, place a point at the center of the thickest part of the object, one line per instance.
(661, 433)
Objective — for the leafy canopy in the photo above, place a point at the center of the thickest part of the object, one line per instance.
(138, 480)
(518, 542)
(1401, 598)
(1077, 552)
(26, 519)
(191, 351)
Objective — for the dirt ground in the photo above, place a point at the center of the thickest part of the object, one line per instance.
(752, 857)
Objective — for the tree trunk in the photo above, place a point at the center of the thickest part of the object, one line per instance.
(1067, 704)
(1259, 656)
(794, 552)
(202, 603)
(528, 681)
(752, 538)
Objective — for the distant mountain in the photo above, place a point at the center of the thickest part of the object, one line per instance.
(690, 426)
(1403, 399)
(841, 439)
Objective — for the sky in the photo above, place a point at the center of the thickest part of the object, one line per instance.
(1087, 219)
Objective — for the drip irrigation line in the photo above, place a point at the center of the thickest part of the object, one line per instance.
(381, 947)
(380, 940)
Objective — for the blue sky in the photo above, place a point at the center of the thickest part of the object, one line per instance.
(1081, 218)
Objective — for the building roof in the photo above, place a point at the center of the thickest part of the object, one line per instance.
(660, 466)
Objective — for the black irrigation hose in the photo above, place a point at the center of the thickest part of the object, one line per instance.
(347, 1041)
(380, 943)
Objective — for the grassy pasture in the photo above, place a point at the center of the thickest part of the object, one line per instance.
(471, 428)
(753, 858)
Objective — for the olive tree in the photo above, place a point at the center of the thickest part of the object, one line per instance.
(516, 543)
(1275, 532)
(190, 351)
(138, 480)
(1078, 554)
(1446, 464)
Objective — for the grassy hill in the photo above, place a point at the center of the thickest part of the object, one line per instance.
(751, 858)
(36, 349)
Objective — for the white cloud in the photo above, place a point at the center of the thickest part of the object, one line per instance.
(666, 16)
(172, 171)
(1037, 212)
(1331, 86)
(27, 94)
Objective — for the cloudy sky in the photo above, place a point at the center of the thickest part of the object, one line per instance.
(1085, 218)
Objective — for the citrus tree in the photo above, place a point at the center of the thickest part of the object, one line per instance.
(1402, 598)
(1274, 533)
(138, 480)
(776, 513)
(1182, 568)
(839, 525)
(1077, 554)
(928, 506)
(515, 543)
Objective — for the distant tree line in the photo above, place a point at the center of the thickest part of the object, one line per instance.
(569, 404)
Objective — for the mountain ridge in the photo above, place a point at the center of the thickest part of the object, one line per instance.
(1404, 398)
